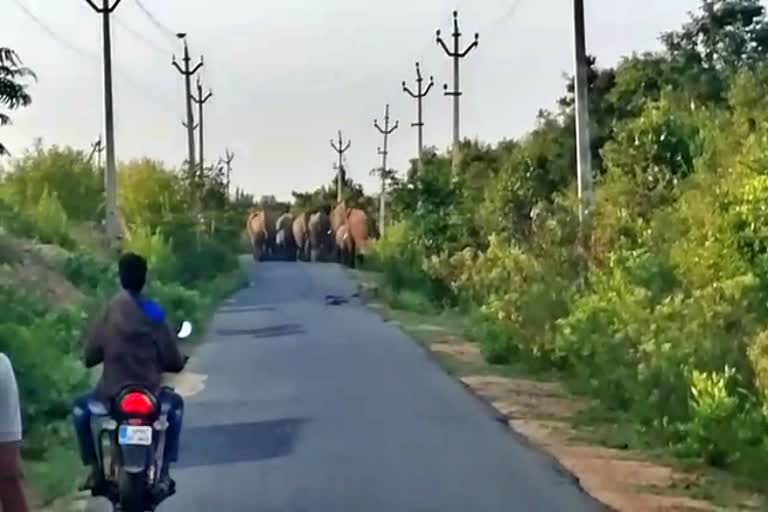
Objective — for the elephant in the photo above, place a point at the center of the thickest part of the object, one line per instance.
(359, 229)
(301, 236)
(358, 226)
(338, 216)
(258, 227)
(345, 246)
(285, 247)
(320, 236)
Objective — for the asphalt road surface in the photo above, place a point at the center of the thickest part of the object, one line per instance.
(309, 407)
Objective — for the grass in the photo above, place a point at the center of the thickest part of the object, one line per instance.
(56, 476)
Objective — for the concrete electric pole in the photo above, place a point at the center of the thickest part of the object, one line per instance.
(583, 139)
(187, 72)
(456, 54)
(386, 131)
(201, 100)
(420, 94)
(96, 149)
(228, 158)
(111, 223)
(340, 149)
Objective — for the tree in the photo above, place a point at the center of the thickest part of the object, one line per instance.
(13, 89)
(723, 35)
(66, 171)
(149, 195)
(325, 197)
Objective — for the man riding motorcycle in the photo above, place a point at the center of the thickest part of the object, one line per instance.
(135, 344)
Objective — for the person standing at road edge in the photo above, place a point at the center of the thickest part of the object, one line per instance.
(12, 497)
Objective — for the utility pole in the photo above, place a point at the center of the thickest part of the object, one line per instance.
(456, 54)
(420, 94)
(340, 149)
(110, 175)
(96, 149)
(187, 72)
(201, 101)
(583, 139)
(386, 131)
(228, 158)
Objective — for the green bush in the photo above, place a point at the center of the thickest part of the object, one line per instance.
(63, 171)
(50, 221)
(179, 303)
(399, 256)
(714, 414)
(665, 286)
(154, 247)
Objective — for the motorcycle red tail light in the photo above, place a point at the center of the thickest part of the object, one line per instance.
(136, 404)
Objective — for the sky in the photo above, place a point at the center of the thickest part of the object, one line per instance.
(287, 75)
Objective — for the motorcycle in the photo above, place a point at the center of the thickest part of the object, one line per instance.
(129, 435)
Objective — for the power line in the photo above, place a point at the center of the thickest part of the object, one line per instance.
(157, 23)
(141, 37)
(491, 28)
(147, 92)
(54, 35)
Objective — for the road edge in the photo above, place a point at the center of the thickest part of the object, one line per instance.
(493, 412)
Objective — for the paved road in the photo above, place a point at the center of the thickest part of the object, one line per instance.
(315, 408)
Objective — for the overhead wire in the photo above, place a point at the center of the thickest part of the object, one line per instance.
(54, 35)
(147, 92)
(141, 37)
(156, 22)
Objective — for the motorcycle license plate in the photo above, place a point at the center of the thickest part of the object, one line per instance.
(130, 435)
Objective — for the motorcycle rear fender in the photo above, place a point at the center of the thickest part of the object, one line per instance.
(136, 459)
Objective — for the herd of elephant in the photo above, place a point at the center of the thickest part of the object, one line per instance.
(339, 235)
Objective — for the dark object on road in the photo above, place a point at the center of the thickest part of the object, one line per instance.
(335, 300)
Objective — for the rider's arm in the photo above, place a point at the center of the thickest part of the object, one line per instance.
(172, 358)
(94, 348)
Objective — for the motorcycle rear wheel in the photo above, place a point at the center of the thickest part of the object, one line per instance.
(131, 490)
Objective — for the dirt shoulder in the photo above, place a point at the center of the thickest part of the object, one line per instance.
(596, 446)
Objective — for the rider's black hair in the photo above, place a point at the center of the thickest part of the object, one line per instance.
(133, 272)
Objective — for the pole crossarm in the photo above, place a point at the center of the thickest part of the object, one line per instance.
(102, 10)
(340, 149)
(200, 99)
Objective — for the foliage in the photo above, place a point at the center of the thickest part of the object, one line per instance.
(662, 312)
(154, 247)
(148, 193)
(63, 171)
(13, 90)
(325, 197)
(50, 195)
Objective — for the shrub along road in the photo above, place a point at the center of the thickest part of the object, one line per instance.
(309, 406)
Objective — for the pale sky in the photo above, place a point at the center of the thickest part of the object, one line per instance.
(287, 75)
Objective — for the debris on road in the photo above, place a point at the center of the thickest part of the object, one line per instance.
(335, 300)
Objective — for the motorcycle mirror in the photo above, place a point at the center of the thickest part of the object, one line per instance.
(185, 330)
